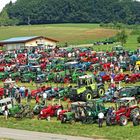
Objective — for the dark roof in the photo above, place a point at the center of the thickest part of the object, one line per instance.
(23, 39)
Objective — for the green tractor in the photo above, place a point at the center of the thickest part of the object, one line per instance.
(28, 76)
(86, 89)
(15, 109)
(89, 112)
(3, 75)
(50, 76)
(118, 50)
(63, 93)
(15, 75)
(72, 114)
(85, 112)
(35, 74)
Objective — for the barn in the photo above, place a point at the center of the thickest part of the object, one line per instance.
(26, 42)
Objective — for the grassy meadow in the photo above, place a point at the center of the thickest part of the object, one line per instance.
(71, 33)
(87, 130)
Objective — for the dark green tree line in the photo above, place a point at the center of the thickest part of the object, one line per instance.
(74, 11)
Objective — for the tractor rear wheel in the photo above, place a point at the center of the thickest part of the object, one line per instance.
(101, 91)
(108, 121)
(135, 121)
(87, 95)
(123, 120)
(134, 113)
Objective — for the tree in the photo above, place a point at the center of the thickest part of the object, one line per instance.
(122, 37)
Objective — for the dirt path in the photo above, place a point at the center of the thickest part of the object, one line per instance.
(29, 135)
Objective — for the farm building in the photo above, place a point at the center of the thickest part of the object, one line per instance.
(26, 42)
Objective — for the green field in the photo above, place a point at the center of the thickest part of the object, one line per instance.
(71, 33)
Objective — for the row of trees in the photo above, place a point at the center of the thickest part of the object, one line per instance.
(74, 11)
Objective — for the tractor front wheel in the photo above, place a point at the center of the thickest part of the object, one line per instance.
(58, 111)
(101, 91)
(123, 120)
(87, 95)
(63, 119)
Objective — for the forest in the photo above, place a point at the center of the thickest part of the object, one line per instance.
(70, 11)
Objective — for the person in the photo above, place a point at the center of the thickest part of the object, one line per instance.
(6, 112)
(17, 94)
(37, 99)
(100, 118)
(29, 97)
(44, 97)
(109, 112)
(116, 94)
(19, 98)
(6, 92)
(26, 94)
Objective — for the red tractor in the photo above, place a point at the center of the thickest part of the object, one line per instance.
(106, 78)
(1, 92)
(120, 77)
(50, 111)
(38, 91)
(133, 78)
(126, 109)
(2, 67)
(106, 66)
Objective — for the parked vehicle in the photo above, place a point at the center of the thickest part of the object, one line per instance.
(130, 91)
(3, 102)
(50, 111)
(86, 89)
(72, 114)
(126, 109)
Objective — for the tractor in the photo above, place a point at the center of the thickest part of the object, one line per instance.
(62, 93)
(24, 112)
(126, 109)
(118, 50)
(3, 75)
(130, 91)
(70, 115)
(86, 89)
(37, 108)
(35, 74)
(89, 112)
(3, 102)
(15, 109)
(85, 112)
(50, 111)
